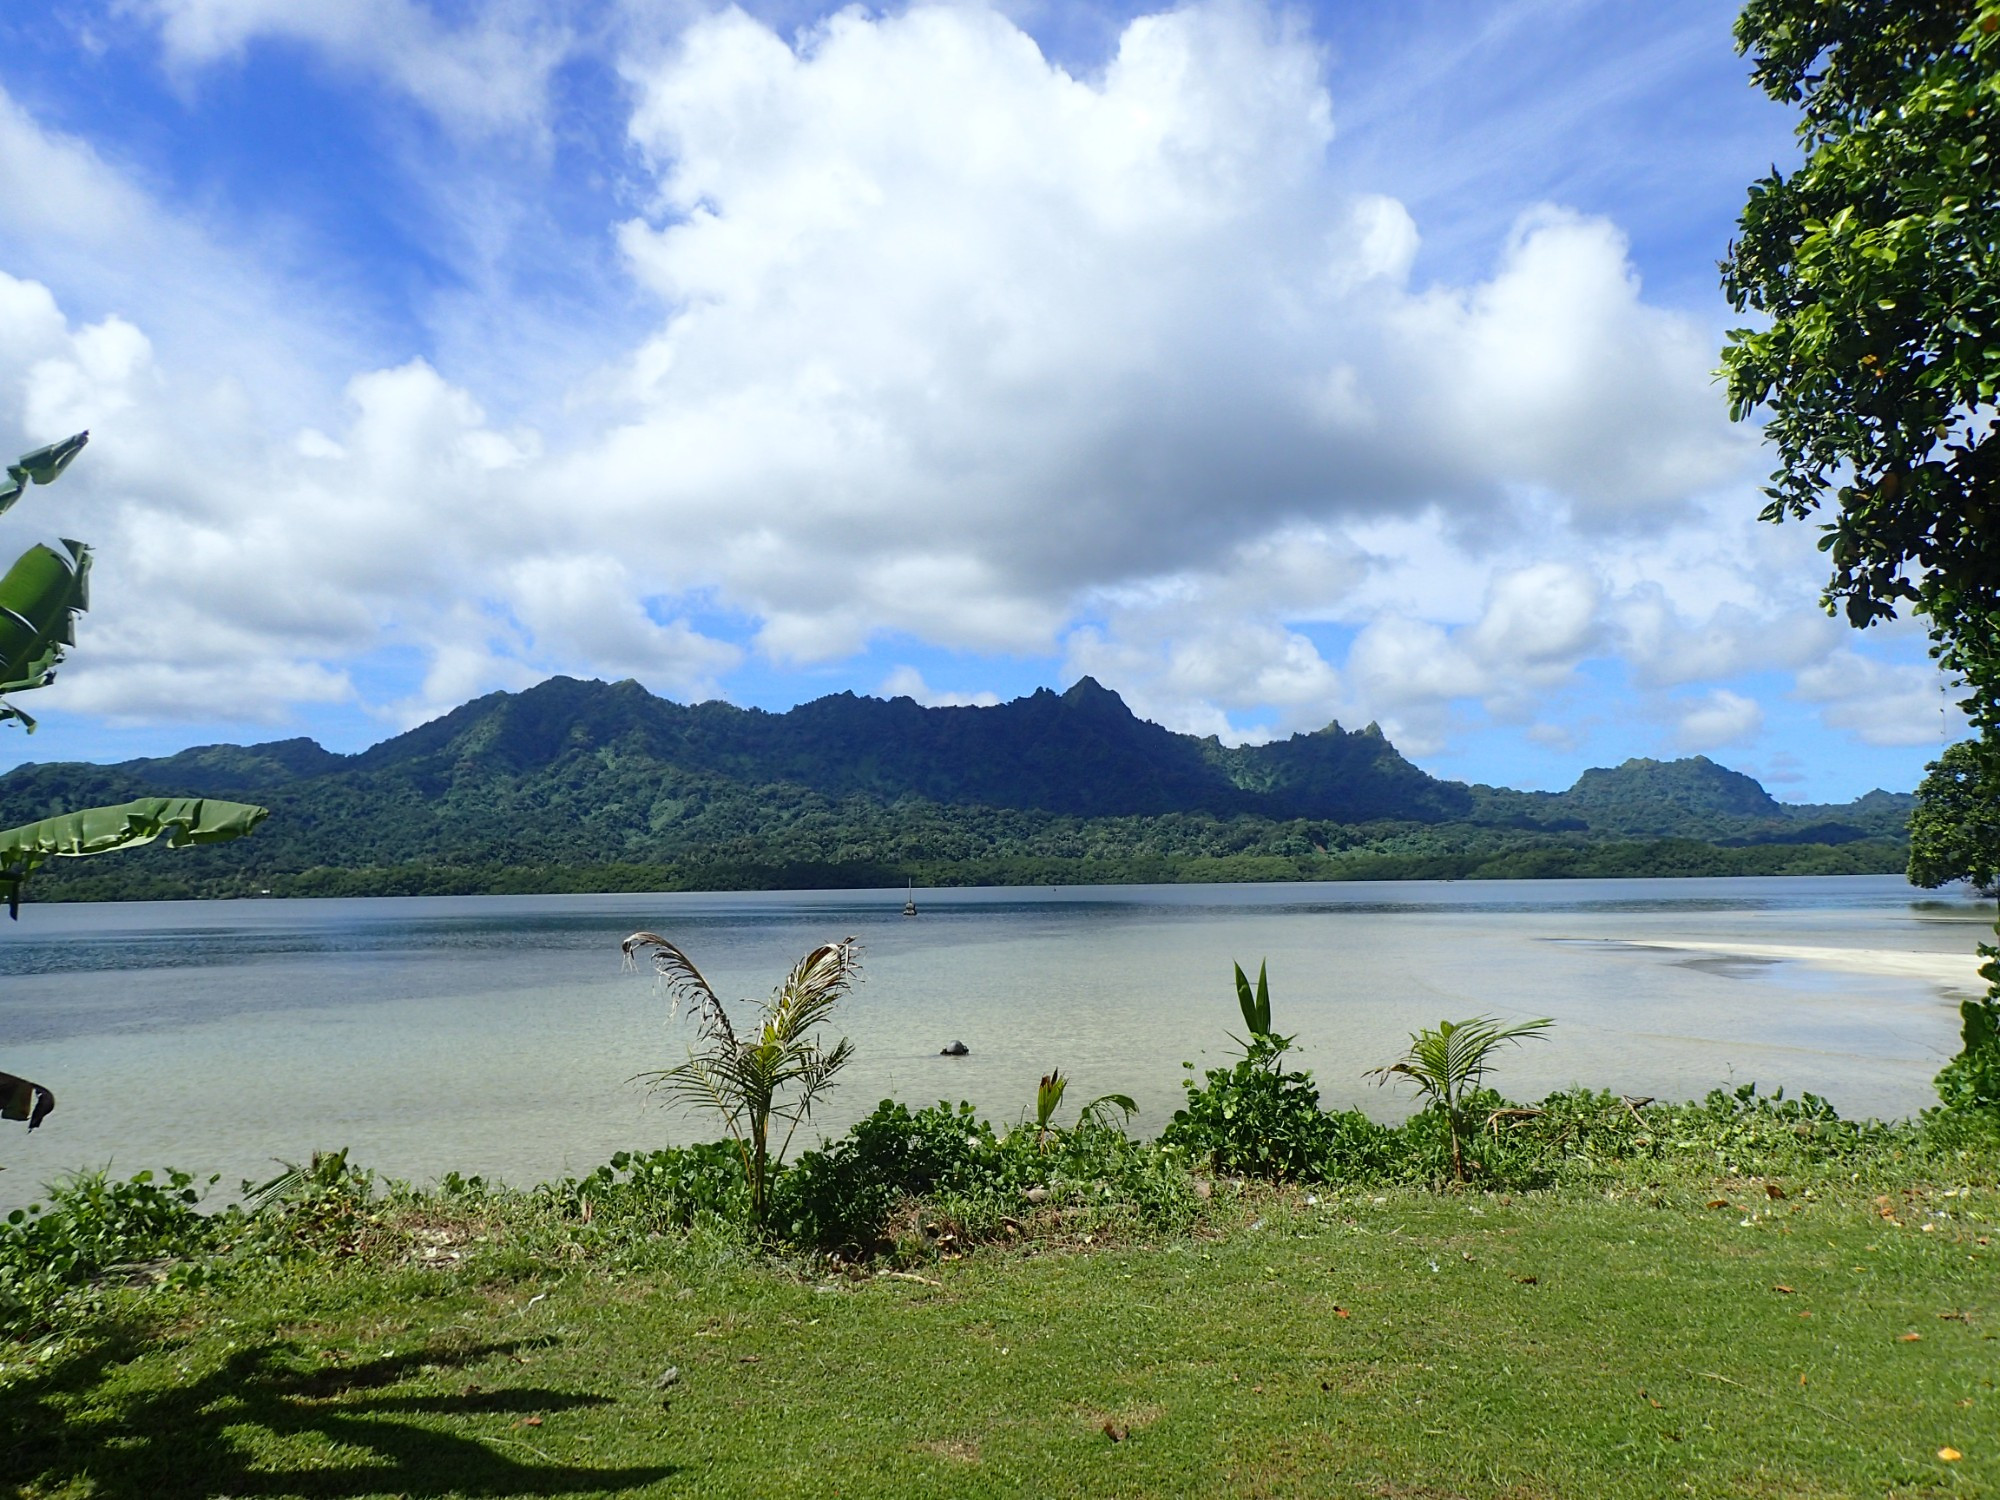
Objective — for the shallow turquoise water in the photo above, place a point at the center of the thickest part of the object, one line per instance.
(500, 1035)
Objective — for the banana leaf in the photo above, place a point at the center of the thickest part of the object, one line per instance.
(99, 830)
(40, 598)
(42, 466)
(21, 1099)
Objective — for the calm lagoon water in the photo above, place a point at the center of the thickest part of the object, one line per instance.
(500, 1035)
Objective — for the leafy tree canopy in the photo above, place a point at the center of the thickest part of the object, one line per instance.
(1877, 263)
(1955, 830)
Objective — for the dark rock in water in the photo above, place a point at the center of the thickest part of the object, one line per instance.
(956, 1049)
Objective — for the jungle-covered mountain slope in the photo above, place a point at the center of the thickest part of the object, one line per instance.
(531, 790)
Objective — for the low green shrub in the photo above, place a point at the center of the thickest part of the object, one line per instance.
(845, 1195)
(327, 1207)
(840, 1197)
(654, 1192)
(915, 1184)
(1745, 1132)
(1255, 1120)
(1259, 1119)
(1357, 1150)
(53, 1254)
(1580, 1136)
(1447, 1064)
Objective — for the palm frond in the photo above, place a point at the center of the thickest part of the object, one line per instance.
(1451, 1061)
(280, 1187)
(1453, 1057)
(809, 993)
(698, 1082)
(815, 1076)
(683, 982)
(816, 1070)
(1098, 1111)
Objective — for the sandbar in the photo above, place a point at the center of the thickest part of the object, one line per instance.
(1955, 969)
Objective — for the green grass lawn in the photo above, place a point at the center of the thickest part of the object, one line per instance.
(1404, 1345)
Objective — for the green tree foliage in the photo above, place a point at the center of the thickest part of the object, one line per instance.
(1877, 263)
(1955, 835)
(1955, 830)
(1970, 1082)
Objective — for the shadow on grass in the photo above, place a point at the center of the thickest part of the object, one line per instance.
(270, 1422)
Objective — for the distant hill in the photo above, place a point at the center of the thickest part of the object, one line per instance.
(572, 775)
(1697, 798)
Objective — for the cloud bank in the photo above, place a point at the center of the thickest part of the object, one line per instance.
(947, 345)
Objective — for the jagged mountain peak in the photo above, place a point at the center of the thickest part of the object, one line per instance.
(1087, 691)
(1079, 753)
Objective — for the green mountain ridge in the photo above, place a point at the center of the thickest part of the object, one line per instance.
(1695, 797)
(572, 774)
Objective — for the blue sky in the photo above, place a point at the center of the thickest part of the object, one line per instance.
(1273, 366)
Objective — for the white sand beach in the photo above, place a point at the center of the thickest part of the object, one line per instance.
(1958, 970)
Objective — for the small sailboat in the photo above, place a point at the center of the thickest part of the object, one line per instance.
(910, 901)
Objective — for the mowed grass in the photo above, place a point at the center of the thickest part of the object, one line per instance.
(1406, 1345)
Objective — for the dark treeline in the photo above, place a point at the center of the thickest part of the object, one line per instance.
(1659, 857)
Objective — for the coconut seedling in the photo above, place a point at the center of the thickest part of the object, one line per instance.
(773, 1071)
(1448, 1065)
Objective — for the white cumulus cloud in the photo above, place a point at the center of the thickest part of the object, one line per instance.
(996, 335)
(940, 340)
(1717, 719)
(1882, 703)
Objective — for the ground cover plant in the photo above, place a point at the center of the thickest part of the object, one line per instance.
(1402, 1342)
